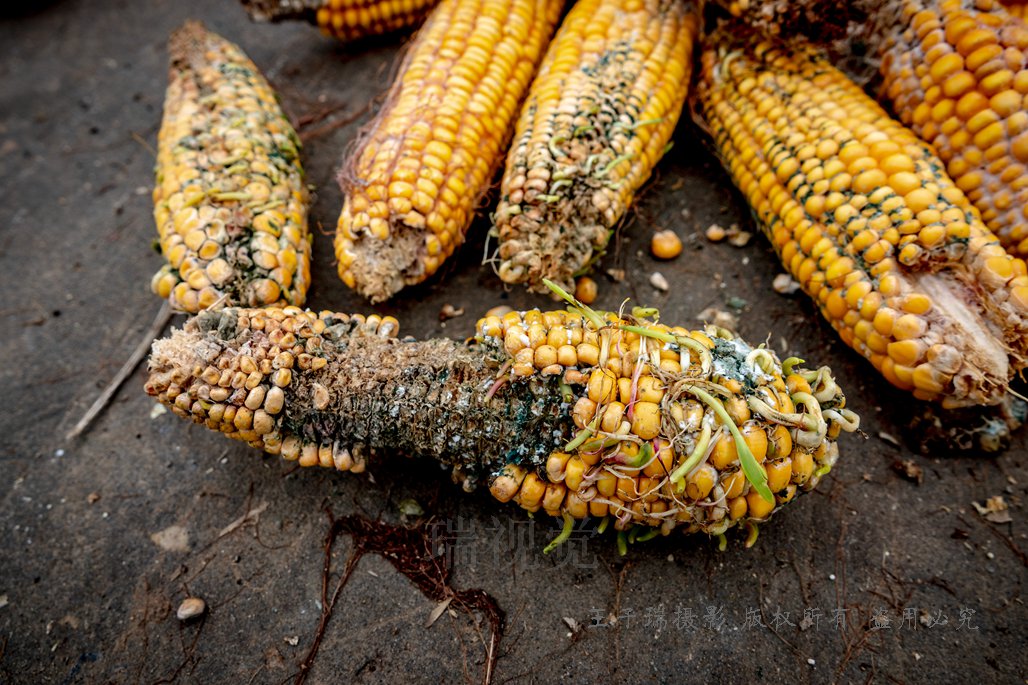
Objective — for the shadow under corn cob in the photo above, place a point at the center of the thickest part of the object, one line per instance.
(863, 215)
(598, 118)
(417, 175)
(576, 413)
(229, 200)
(344, 19)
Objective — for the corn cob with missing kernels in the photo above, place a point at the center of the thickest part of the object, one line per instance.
(344, 19)
(229, 201)
(577, 413)
(598, 117)
(415, 179)
(866, 220)
(956, 72)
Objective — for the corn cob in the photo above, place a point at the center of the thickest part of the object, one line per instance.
(957, 74)
(597, 119)
(576, 413)
(1016, 8)
(229, 201)
(863, 216)
(413, 183)
(344, 19)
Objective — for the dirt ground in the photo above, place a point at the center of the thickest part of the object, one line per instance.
(875, 577)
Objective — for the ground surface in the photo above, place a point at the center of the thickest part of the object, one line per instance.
(931, 591)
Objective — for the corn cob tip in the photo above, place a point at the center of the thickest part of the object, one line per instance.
(573, 413)
(378, 269)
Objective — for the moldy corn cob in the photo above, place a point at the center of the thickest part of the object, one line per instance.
(344, 19)
(415, 179)
(576, 413)
(956, 72)
(598, 117)
(866, 220)
(229, 201)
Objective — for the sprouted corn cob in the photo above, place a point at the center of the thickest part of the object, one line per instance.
(413, 183)
(956, 72)
(866, 220)
(597, 119)
(577, 413)
(344, 19)
(229, 201)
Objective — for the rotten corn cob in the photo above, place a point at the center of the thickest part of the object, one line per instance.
(598, 117)
(863, 216)
(414, 181)
(229, 200)
(344, 19)
(576, 413)
(956, 72)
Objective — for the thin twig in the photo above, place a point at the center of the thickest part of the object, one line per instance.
(162, 319)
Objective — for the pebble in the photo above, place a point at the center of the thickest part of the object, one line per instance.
(784, 284)
(658, 281)
(191, 607)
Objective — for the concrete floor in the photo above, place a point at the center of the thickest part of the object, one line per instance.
(104, 536)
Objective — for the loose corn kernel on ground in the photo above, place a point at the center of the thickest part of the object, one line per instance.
(415, 180)
(344, 19)
(956, 72)
(864, 217)
(598, 118)
(575, 413)
(229, 200)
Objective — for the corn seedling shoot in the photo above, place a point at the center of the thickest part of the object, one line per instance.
(577, 413)
(598, 118)
(344, 19)
(230, 201)
(414, 181)
(866, 220)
